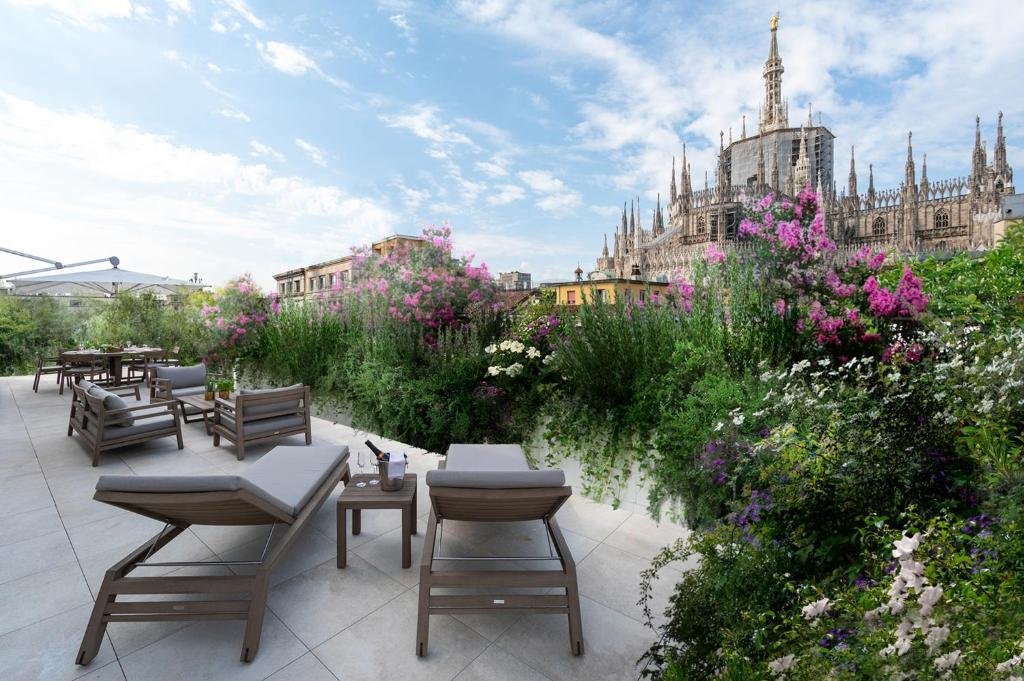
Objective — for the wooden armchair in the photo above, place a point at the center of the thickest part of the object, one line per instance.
(104, 421)
(258, 415)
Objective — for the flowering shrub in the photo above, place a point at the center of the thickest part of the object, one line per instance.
(839, 307)
(424, 285)
(238, 311)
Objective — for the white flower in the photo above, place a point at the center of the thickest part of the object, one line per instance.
(767, 376)
(548, 359)
(1015, 661)
(719, 426)
(505, 345)
(516, 347)
(985, 406)
(494, 371)
(935, 637)
(738, 419)
(929, 597)
(780, 665)
(906, 546)
(532, 352)
(815, 609)
(514, 370)
(491, 349)
(948, 661)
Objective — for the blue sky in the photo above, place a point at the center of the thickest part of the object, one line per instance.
(224, 136)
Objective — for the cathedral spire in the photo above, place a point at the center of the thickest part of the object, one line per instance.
(810, 117)
(924, 174)
(773, 114)
(743, 130)
(760, 163)
(851, 187)
(908, 179)
(802, 169)
(978, 157)
(604, 251)
(687, 183)
(623, 226)
(672, 184)
(632, 218)
(871, 185)
(999, 157)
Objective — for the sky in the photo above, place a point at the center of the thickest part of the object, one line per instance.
(232, 136)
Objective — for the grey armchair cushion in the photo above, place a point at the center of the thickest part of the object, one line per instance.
(86, 385)
(140, 427)
(491, 467)
(286, 477)
(183, 377)
(110, 403)
(265, 426)
(261, 409)
(194, 390)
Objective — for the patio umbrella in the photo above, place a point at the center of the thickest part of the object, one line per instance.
(100, 283)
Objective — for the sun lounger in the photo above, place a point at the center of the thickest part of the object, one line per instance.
(494, 483)
(286, 486)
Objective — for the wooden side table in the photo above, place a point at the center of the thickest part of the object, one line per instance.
(370, 497)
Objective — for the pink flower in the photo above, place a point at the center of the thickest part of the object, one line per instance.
(714, 255)
(780, 307)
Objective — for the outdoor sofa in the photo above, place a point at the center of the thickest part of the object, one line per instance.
(287, 485)
(495, 484)
(104, 420)
(260, 415)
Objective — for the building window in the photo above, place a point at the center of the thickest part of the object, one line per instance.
(602, 295)
(334, 280)
(700, 225)
(570, 297)
(282, 288)
(322, 281)
(298, 286)
(344, 277)
(878, 227)
(941, 219)
(289, 286)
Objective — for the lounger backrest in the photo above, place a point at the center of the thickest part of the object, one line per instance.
(497, 505)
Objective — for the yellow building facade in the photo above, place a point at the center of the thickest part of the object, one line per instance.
(572, 293)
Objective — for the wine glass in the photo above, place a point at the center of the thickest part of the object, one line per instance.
(361, 462)
(376, 469)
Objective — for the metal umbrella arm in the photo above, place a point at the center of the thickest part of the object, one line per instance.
(54, 264)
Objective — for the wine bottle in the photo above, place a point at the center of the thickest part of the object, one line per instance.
(381, 456)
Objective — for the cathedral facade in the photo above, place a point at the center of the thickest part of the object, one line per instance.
(918, 217)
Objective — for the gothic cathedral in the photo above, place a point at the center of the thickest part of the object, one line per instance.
(919, 216)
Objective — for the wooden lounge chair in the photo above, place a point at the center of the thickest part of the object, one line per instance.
(105, 421)
(78, 366)
(259, 415)
(494, 483)
(172, 382)
(288, 485)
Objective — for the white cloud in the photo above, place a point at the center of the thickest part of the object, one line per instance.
(180, 6)
(401, 22)
(260, 150)
(555, 196)
(496, 167)
(293, 61)
(78, 173)
(422, 120)
(174, 57)
(228, 112)
(243, 11)
(506, 194)
(312, 152)
(213, 68)
(287, 58)
(85, 13)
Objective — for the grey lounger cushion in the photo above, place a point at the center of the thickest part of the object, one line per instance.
(194, 390)
(265, 426)
(183, 377)
(286, 477)
(491, 467)
(261, 409)
(110, 403)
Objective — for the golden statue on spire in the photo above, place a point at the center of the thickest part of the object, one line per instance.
(774, 21)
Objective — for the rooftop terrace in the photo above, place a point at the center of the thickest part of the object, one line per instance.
(321, 623)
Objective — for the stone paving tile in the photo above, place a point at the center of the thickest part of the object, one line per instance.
(47, 649)
(644, 537)
(29, 524)
(497, 665)
(611, 577)
(26, 557)
(382, 646)
(41, 595)
(306, 668)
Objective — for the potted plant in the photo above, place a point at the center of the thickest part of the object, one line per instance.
(211, 388)
(224, 388)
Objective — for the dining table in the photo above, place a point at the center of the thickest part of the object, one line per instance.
(114, 358)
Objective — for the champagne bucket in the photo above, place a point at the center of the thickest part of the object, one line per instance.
(386, 483)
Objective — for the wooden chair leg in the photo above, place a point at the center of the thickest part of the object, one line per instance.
(423, 611)
(240, 449)
(254, 624)
(35, 383)
(97, 624)
(216, 439)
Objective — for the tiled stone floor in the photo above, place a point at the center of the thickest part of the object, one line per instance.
(322, 623)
